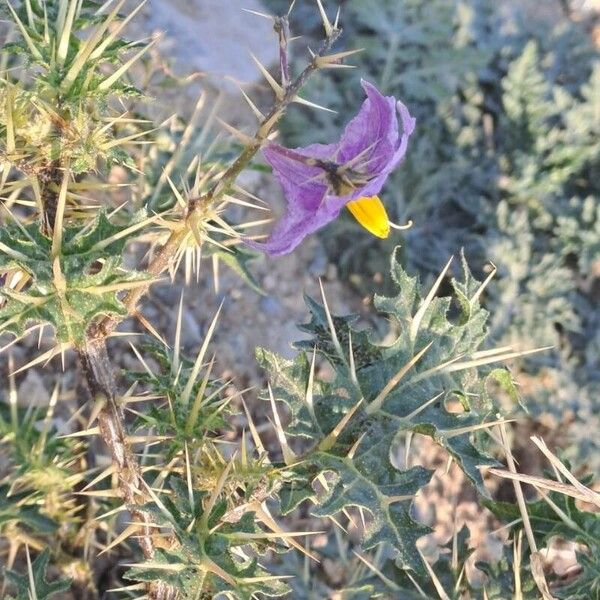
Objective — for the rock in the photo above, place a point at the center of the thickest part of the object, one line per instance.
(270, 306)
(318, 265)
(191, 332)
(32, 391)
(214, 37)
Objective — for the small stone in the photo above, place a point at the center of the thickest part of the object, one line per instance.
(215, 37)
(32, 391)
(270, 306)
(269, 283)
(318, 266)
(191, 332)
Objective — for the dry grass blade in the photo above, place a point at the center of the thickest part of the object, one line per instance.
(587, 493)
(518, 491)
(545, 484)
(536, 563)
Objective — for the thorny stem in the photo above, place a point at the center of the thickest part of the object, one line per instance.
(49, 178)
(94, 357)
(168, 251)
(101, 382)
(282, 29)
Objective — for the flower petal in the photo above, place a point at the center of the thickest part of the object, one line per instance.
(374, 130)
(370, 148)
(374, 186)
(296, 224)
(371, 214)
(303, 184)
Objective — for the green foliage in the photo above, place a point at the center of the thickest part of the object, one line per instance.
(69, 222)
(72, 66)
(238, 259)
(198, 407)
(17, 509)
(449, 570)
(508, 142)
(61, 114)
(211, 554)
(71, 290)
(368, 481)
(34, 583)
(377, 394)
(559, 516)
(502, 582)
(587, 585)
(504, 163)
(39, 470)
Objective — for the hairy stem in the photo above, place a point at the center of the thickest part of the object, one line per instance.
(101, 382)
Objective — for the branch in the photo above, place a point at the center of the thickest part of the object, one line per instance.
(166, 254)
(100, 379)
(282, 29)
(49, 179)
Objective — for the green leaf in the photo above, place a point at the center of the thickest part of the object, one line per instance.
(369, 481)
(397, 582)
(587, 585)
(569, 522)
(39, 587)
(562, 518)
(206, 559)
(289, 380)
(389, 390)
(501, 582)
(14, 509)
(87, 287)
(238, 259)
(318, 328)
(180, 424)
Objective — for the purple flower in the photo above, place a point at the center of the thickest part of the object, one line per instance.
(320, 179)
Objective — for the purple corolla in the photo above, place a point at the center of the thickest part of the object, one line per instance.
(320, 179)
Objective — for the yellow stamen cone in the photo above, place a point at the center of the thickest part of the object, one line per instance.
(371, 214)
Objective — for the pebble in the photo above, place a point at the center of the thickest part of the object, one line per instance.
(191, 332)
(32, 391)
(270, 306)
(215, 37)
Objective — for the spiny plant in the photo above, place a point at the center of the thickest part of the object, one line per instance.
(357, 422)
(344, 455)
(504, 164)
(63, 238)
(34, 584)
(184, 506)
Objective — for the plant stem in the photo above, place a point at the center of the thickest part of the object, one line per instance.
(101, 382)
(168, 251)
(49, 178)
(94, 356)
